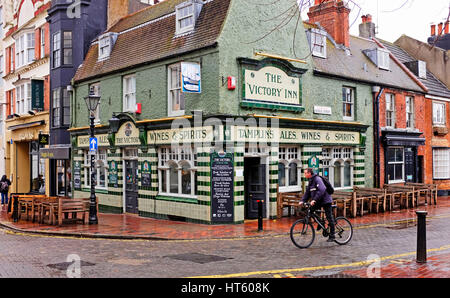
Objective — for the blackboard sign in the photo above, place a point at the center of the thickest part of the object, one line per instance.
(113, 173)
(77, 174)
(37, 95)
(222, 178)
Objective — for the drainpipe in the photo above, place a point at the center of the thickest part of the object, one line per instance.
(376, 91)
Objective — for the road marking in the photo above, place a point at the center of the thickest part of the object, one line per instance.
(315, 268)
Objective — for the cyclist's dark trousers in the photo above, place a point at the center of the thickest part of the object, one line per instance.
(329, 214)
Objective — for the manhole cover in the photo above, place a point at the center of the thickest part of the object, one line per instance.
(65, 265)
(197, 258)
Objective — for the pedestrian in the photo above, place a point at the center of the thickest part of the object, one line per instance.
(317, 192)
(4, 189)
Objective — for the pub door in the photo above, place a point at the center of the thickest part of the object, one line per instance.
(131, 186)
(254, 187)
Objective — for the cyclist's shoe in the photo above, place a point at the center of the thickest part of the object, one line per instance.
(331, 239)
(319, 227)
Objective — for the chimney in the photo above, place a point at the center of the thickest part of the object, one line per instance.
(367, 28)
(440, 28)
(433, 30)
(333, 16)
(118, 9)
(446, 30)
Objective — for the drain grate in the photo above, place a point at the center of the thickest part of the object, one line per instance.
(65, 265)
(198, 258)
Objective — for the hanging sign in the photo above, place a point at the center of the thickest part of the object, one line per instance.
(127, 135)
(190, 77)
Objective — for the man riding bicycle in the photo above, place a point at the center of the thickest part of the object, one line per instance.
(317, 192)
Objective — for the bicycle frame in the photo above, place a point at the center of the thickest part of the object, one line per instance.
(312, 215)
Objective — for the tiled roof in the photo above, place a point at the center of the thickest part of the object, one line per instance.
(435, 87)
(149, 35)
(355, 65)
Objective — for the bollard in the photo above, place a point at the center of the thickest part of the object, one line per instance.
(260, 214)
(421, 254)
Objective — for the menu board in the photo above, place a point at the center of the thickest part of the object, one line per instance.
(222, 177)
(77, 174)
(145, 174)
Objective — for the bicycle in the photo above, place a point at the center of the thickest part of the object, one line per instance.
(303, 232)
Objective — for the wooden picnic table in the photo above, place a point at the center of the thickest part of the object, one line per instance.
(430, 191)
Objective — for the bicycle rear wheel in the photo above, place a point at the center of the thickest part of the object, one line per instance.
(302, 234)
(344, 230)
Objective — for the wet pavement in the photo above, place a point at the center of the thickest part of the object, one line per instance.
(394, 264)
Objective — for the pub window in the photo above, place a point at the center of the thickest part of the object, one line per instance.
(348, 102)
(129, 94)
(177, 171)
(175, 96)
(390, 110)
(337, 166)
(441, 163)
(100, 170)
(289, 167)
(409, 112)
(396, 164)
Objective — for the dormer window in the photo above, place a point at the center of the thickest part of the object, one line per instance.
(380, 57)
(186, 15)
(105, 44)
(318, 43)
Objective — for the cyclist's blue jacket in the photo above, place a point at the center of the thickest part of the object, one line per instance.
(317, 191)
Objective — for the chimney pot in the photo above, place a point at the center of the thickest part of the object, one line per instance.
(440, 28)
(446, 30)
(433, 30)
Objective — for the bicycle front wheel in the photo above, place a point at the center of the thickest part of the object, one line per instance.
(344, 231)
(302, 233)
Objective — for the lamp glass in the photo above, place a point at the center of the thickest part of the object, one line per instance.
(92, 101)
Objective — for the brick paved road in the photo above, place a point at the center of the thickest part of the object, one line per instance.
(30, 256)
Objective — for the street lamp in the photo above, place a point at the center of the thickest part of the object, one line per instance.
(92, 102)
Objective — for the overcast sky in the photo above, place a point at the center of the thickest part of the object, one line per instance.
(397, 17)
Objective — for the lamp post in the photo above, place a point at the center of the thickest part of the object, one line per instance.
(92, 102)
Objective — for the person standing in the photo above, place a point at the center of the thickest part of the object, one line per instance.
(4, 189)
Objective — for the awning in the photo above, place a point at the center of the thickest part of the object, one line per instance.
(406, 139)
(26, 125)
(55, 153)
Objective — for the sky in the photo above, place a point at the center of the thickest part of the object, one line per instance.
(397, 17)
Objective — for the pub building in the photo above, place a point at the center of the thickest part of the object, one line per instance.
(199, 118)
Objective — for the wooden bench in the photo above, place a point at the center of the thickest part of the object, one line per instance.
(290, 200)
(377, 197)
(68, 206)
(428, 190)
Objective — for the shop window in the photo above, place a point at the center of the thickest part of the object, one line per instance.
(396, 164)
(337, 166)
(441, 163)
(175, 96)
(37, 169)
(390, 110)
(177, 171)
(289, 169)
(100, 171)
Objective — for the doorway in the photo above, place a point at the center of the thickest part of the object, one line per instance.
(131, 186)
(254, 186)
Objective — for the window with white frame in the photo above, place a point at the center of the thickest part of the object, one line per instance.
(289, 167)
(396, 164)
(318, 43)
(42, 42)
(348, 103)
(390, 110)
(56, 51)
(100, 170)
(409, 112)
(177, 172)
(105, 45)
(175, 96)
(383, 59)
(129, 93)
(441, 163)
(67, 47)
(25, 49)
(186, 15)
(56, 107)
(23, 98)
(337, 165)
(97, 91)
(439, 112)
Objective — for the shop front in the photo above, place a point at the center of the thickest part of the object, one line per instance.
(27, 169)
(214, 173)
